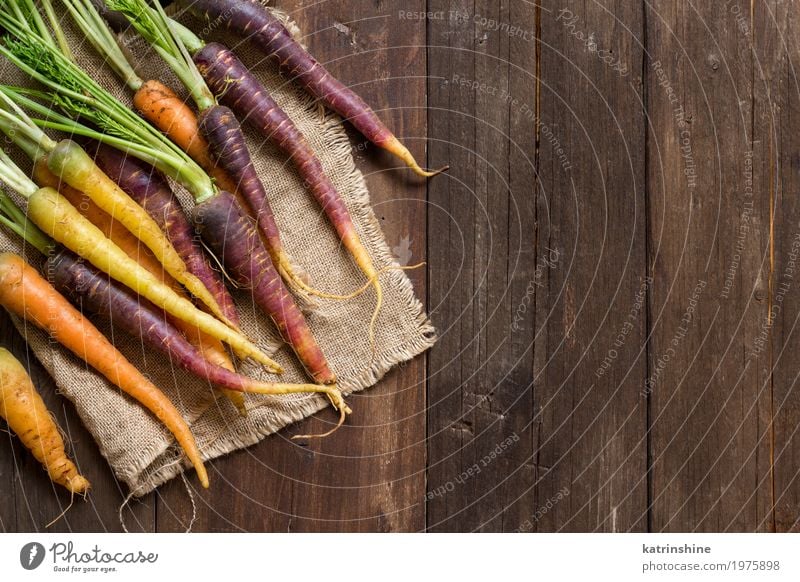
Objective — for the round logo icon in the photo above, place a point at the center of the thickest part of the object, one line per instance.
(31, 555)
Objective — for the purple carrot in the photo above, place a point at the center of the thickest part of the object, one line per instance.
(150, 189)
(89, 288)
(95, 292)
(230, 234)
(116, 20)
(253, 21)
(229, 151)
(237, 88)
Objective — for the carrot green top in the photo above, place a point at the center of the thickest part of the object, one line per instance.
(154, 26)
(77, 94)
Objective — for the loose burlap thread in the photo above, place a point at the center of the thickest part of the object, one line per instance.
(140, 451)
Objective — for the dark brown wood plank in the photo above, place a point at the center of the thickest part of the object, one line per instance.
(590, 364)
(369, 476)
(36, 501)
(480, 398)
(778, 105)
(709, 390)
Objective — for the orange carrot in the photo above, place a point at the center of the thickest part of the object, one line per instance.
(211, 348)
(26, 294)
(169, 113)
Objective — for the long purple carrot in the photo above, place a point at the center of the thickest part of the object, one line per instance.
(252, 20)
(230, 234)
(229, 151)
(150, 189)
(237, 88)
(93, 291)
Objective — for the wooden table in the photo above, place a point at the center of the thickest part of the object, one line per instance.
(612, 267)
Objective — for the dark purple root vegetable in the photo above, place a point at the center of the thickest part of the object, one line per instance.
(227, 145)
(237, 88)
(255, 22)
(229, 151)
(148, 187)
(116, 20)
(94, 291)
(231, 235)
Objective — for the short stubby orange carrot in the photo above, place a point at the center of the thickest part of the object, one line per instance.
(26, 294)
(253, 21)
(28, 417)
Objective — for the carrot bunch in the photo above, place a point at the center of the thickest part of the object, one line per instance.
(119, 242)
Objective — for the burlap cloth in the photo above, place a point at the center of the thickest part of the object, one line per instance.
(140, 451)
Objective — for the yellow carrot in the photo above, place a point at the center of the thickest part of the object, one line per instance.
(28, 417)
(70, 163)
(58, 218)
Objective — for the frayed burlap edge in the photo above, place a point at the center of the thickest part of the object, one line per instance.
(161, 461)
(370, 231)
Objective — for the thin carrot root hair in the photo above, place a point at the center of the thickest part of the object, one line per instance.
(394, 146)
(298, 283)
(373, 281)
(61, 515)
(330, 390)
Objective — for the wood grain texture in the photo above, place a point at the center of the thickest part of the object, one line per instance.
(482, 235)
(708, 384)
(591, 366)
(612, 269)
(369, 476)
(776, 51)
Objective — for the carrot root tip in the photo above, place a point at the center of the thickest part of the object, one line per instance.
(336, 398)
(429, 173)
(394, 146)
